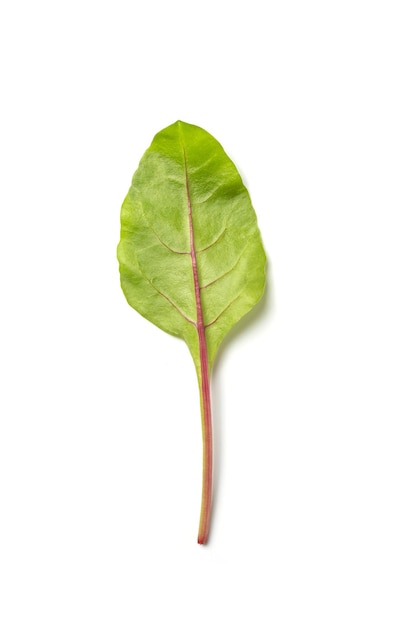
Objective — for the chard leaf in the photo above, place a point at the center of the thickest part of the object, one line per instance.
(190, 254)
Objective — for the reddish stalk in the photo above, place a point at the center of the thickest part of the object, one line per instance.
(207, 491)
(206, 425)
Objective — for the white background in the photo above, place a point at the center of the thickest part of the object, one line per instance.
(314, 395)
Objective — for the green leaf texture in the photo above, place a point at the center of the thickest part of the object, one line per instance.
(187, 196)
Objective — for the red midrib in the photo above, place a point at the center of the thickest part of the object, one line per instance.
(205, 384)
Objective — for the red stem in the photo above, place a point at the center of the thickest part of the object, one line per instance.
(207, 490)
(206, 497)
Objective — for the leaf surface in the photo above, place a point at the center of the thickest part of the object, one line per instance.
(185, 188)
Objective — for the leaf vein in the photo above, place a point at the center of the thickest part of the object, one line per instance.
(163, 242)
(227, 271)
(214, 242)
(224, 311)
(161, 293)
(167, 246)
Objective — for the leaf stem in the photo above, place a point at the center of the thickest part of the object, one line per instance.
(207, 433)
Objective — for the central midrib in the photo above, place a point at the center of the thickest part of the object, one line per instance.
(204, 379)
(200, 320)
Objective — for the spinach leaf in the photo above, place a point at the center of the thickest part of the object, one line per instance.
(190, 254)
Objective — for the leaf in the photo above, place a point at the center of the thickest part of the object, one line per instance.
(190, 254)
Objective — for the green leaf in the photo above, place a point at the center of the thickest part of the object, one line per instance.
(190, 253)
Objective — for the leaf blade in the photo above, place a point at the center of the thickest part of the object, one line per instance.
(155, 252)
